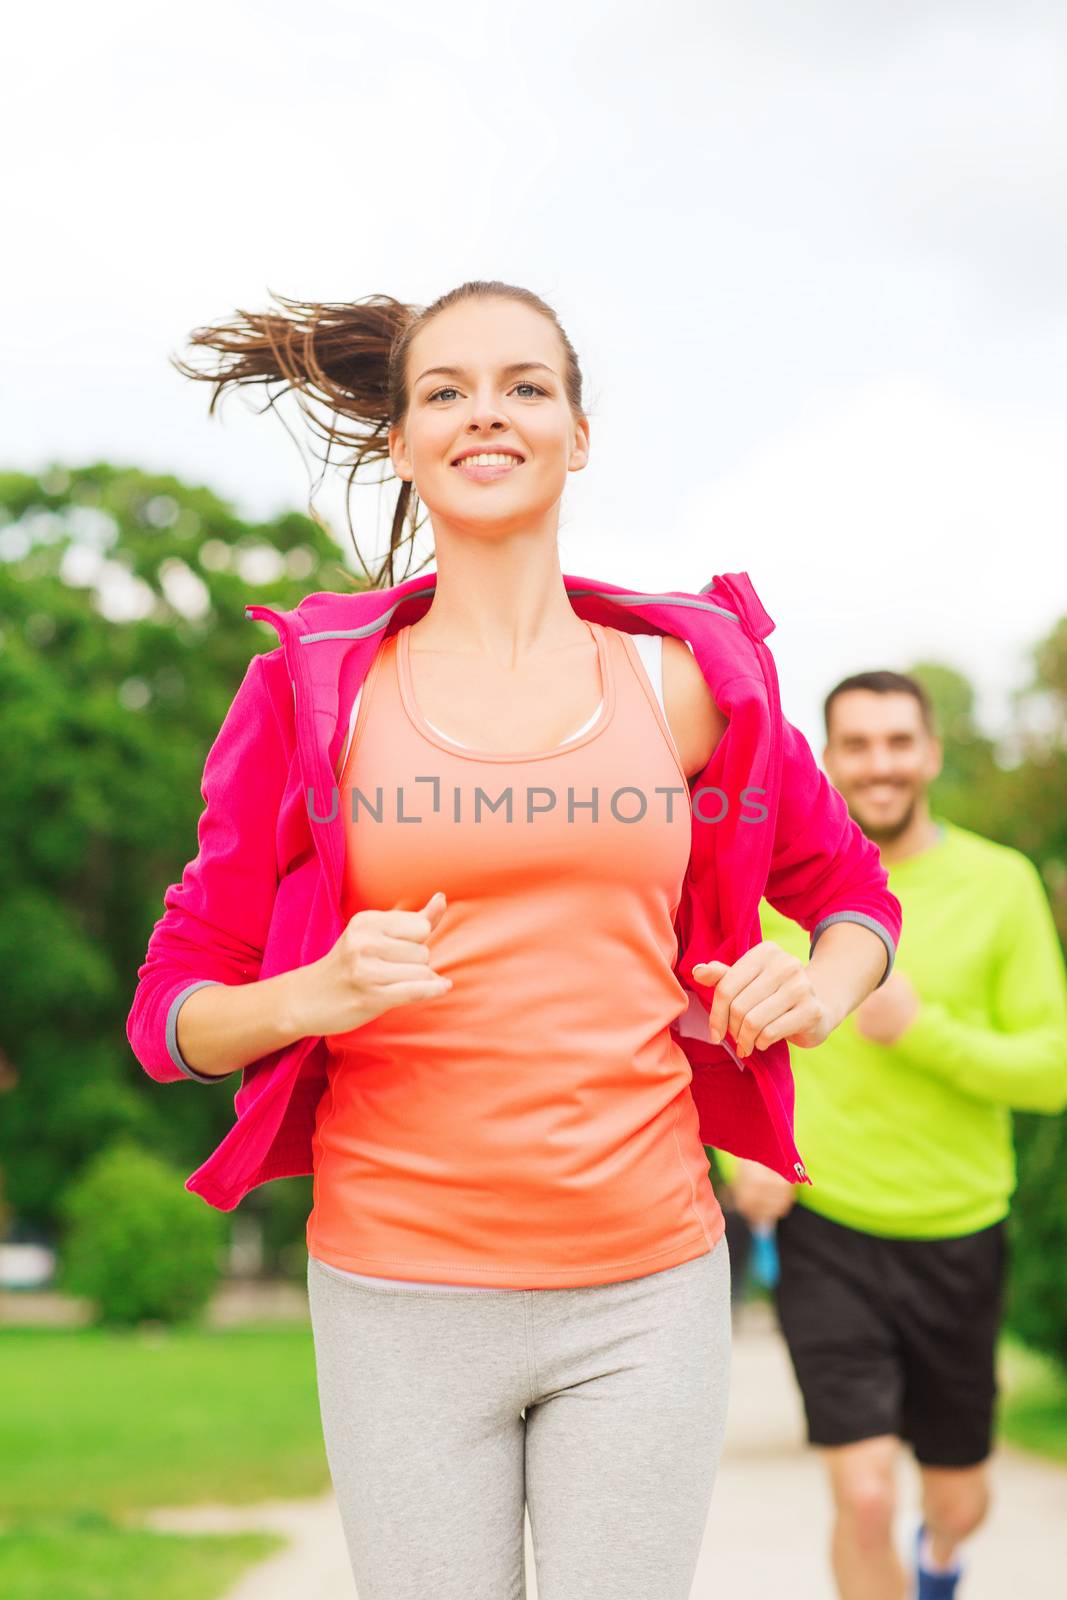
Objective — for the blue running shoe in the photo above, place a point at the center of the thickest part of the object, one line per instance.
(933, 1585)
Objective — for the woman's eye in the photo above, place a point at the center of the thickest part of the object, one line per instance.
(523, 384)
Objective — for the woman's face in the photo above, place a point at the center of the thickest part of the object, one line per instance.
(506, 394)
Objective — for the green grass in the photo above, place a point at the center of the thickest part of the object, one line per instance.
(109, 1421)
(97, 1425)
(82, 1558)
(1033, 1403)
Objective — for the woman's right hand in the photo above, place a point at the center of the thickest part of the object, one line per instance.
(380, 961)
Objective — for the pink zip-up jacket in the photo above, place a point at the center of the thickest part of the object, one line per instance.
(263, 894)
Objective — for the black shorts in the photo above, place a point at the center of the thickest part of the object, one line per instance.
(894, 1336)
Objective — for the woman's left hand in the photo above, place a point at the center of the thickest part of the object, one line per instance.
(767, 995)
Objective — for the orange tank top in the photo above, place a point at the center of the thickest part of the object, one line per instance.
(533, 1127)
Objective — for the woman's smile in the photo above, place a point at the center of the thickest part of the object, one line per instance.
(487, 467)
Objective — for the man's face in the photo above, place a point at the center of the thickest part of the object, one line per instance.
(881, 758)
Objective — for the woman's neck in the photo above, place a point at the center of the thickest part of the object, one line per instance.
(506, 606)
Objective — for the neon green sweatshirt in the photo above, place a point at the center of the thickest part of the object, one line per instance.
(913, 1139)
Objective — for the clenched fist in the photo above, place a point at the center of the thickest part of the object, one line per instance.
(768, 994)
(380, 961)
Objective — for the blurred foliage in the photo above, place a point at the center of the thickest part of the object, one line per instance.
(1037, 1309)
(283, 1208)
(136, 1243)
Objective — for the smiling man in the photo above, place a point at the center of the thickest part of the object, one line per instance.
(893, 1261)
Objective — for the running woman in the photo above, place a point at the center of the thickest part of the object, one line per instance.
(464, 1011)
(893, 1261)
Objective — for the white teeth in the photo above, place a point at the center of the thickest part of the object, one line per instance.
(488, 460)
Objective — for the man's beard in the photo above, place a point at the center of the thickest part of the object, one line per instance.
(887, 833)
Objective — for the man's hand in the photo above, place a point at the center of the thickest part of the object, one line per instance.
(761, 1195)
(768, 994)
(885, 1013)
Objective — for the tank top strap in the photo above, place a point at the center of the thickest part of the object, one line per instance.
(646, 665)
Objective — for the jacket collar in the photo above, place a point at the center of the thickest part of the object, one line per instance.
(729, 598)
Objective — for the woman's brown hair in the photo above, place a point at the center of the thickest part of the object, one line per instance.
(349, 361)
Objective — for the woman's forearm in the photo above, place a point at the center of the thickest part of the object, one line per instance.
(222, 1027)
(846, 966)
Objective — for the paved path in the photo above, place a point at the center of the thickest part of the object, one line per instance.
(770, 1512)
(767, 1529)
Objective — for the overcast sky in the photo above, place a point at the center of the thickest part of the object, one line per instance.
(813, 260)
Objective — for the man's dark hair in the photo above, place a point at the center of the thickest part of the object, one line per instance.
(884, 682)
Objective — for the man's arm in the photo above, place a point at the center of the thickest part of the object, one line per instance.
(1021, 1060)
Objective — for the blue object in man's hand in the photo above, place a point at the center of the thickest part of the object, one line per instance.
(764, 1255)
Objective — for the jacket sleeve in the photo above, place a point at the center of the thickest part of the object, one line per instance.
(823, 868)
(215, 921)
(1019, 1057)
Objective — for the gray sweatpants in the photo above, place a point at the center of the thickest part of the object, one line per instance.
(602, 1409)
